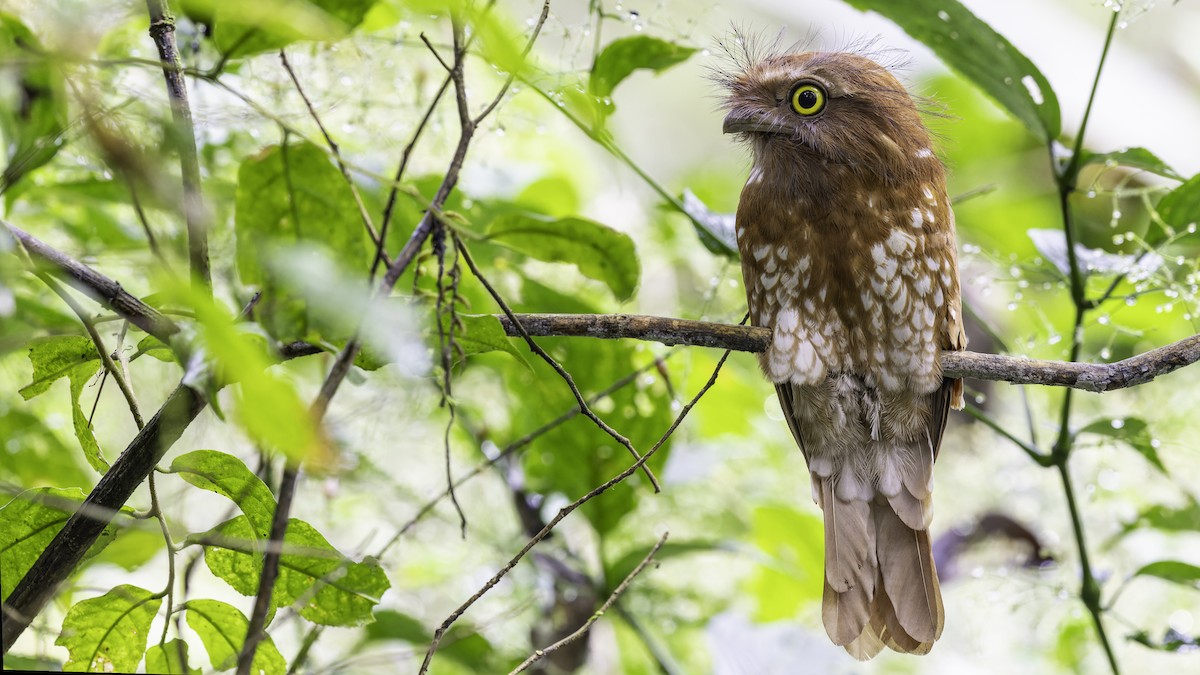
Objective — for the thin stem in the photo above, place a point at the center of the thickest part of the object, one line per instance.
(109, 366)
(587, 625)
(1089, 590)
(1031, 450)
(563, 513)
(1060, 455)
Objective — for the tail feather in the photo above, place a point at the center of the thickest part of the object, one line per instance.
(881, 586)
(850, 565)
(909, 576)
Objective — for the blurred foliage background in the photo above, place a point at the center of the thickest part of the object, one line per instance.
(570, 200)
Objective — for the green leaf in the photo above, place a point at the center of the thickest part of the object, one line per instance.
(33, 104)
(170, 659)
(222, 629)
(152, 346)
(40, 457)
(1135, 158)
(1185, 518)
(289, 195)
(1174, 571)
(109, 633)
(30, 521)
(970, 46)
(226, 475)
(790, 578)
(622, 56)
(623, 566)
(1181, 207)
(463, 643)
(336, 590)
(133, 548)
(242, 28)
(1132, 431)
(600, 252)
(76, 358)
(479, 333)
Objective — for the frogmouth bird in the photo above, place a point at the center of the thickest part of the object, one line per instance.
(848, 254)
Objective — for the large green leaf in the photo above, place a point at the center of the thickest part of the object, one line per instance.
(222, 629)
(337, 591)
(33, 104)
(30, 521)
(1181, 206)
(790, 577)
(108, 634)
(32, 454)
(241, 28)
(1184, 574)
(1133, 432)
(226, 475)
(970, 46)
(76, 358)
(575, 457)
(1134, 158)
(288, 195)
(600, 252)
(621, 57)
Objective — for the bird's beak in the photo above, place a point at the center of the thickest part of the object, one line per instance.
(738, 122)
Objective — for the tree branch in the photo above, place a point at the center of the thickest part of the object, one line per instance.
(1094, 377)
(97, 286)
(162, 29)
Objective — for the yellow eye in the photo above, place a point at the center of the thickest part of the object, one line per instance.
(808, 99)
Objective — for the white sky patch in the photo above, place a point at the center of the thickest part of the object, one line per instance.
(1035, 92)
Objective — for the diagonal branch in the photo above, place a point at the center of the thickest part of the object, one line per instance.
(587, 625)
(97, 286)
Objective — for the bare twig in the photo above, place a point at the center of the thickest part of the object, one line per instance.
(563, 513)
(105, 358)
(162, 29)
(562, 372)
(337, 156)
(587, 625)
(514, 447)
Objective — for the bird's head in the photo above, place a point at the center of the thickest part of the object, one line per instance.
(811, 111)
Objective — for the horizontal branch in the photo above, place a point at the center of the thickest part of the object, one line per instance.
(1096, 377)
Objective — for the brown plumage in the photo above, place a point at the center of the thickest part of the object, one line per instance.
(848, 253)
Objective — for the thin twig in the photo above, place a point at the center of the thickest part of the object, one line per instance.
(337, 156)
(109, 366)
(514, 447)
(587, 625)
(562, 372)
(563, 513)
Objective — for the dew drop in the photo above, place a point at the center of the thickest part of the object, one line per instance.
(1103, 320)
(1130, 300)
(943, 15)
(1106, 353)
(1118, 423)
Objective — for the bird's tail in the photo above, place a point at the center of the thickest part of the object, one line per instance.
(881, 586)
